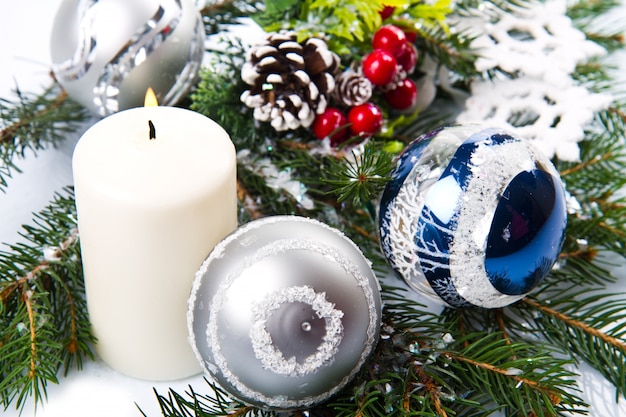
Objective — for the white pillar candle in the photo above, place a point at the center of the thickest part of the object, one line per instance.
(149, 212)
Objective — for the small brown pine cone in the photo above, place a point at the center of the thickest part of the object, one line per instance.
(352, 88)
(290, 81)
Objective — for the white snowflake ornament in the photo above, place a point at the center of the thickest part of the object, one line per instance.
(539, 41)
(551, 117)
(540, 49)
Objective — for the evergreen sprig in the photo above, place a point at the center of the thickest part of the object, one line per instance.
(32, 122)
(216, 403)
(596, 182)
(423, 368)
(587, 324)
(583, 13)
(218, 92)
(524, 379)
(347, 25)
(218, 15)
(361, 177)
(43, 316)
(341, 22)
(446, 368)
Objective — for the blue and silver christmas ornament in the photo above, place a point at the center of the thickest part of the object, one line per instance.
(473, 217)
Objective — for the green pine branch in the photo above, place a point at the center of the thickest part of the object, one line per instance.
(218, 15)
(258, 200)
(419, 368)
(216, 403)
(589, 325)
(453, 368)
(341, 22)
(360, 178)
(523, 379)
(32, 122)
(596, 183)
(43, 315)
(217, 97)
(583, 13)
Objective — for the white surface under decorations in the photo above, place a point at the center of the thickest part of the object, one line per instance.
(97, 390)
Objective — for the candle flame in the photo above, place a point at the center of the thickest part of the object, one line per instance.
(151, 99)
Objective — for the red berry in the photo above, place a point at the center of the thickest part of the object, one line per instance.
(380, 67)
(386, 12)
(407, 57)
(366, 119)
(328, 122)
(410, 36)
(389, 38)
(404, 96)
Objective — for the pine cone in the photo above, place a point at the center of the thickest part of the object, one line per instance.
(290, 81)
(352, 88)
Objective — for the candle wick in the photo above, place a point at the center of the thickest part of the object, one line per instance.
(152, 130)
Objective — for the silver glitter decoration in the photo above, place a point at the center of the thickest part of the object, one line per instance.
(494, 168)
(405, 210)
(284, 312)
(271, 357)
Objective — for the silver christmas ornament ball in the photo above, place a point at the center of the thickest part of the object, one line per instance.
(284, 312)
(107, 53)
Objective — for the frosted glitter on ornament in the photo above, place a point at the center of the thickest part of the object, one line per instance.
(472, 217)
(284, 312)
(106, 53)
